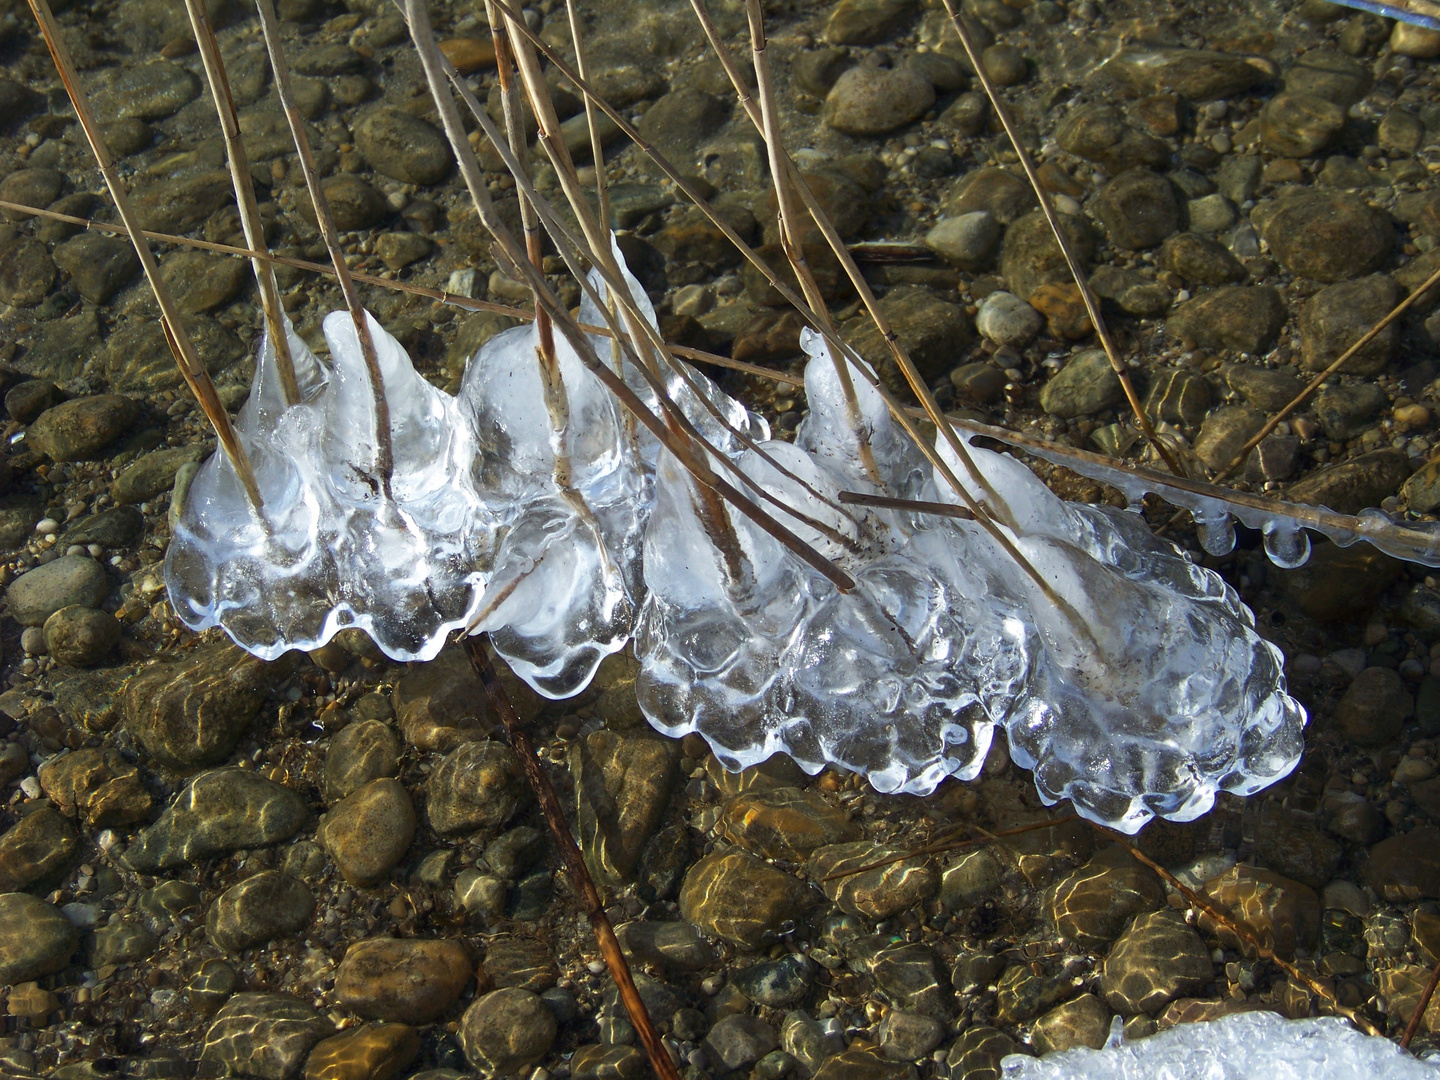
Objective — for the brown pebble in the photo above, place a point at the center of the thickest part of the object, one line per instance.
(402, 980)
(469, 54)
(178, 47)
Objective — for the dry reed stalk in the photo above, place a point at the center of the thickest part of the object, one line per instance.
(384, 464)
(574, 862)
(219, 84)
(181, 347)
(592, 116)
(1087, 295)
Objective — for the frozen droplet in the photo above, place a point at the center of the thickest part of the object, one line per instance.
(1287, 545)
(1215, 531)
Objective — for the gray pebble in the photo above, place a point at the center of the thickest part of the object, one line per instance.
(1005, 319)
(78, 430)
(262, 907)
(1086, 385)
(969, 241)
(403, 147)
(70, 580)
(876, 101)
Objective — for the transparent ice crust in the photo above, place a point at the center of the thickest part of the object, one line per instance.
(332, 552)
(1243, 1046)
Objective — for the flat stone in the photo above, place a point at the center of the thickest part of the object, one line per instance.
(1134, 293)
(71, 579)
(97, 785)
(1281, 914)
(99, 266)
(506, 1031)
(155, 473)
(36, 849)
(1418, 42)
(27, 400)
(368, 832)
(1242, 318)
(150, 91)
(264, 906)
(876, 101)
(79, 429)
(785, 823)
(1340, 583)
(739, 898)
(398, 250)
(368, 1052)
(403, 147)
(360, 752)
(218, 811)
(1030, 257)
(1354, 485)
(1225, 432)
(670, 946)
(1092, 905)
(865, 22)
(740, 1040)
(404, 980)
(468, 54)
(36, 939)
(1264, 388)
(775, 983)
(912, 978)
(872, 894)
(1324, 234)
(1084, 386)
(1082, 1021)
(60, 349)
(1156, 960)
(192, 710)
(623, 784)
(1200, 260)
(1193, 74)
(1339, 315)
(326, 60)
(1299, 125)
(263, 1035)
(1100, 133)
(969, 240)
(478, 785)
(1138, 209)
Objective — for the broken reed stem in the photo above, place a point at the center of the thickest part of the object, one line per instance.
(1425, 996)
(919, 506)
(1243, 932)
(574, 862)
(592, 118)
(384, 463)
(1319, 380)
(191, 369)
(1087, 296)
(244, 185)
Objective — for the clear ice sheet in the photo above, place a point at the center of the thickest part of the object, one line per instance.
(1244, 1046)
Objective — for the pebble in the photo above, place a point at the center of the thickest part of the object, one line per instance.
(1299, 125)
(1346, 411)
(1242, 318)
(36, 939)
(997, 192)
(1354, 485)
(264, 906)
(1339, 315)
(27, 273)
(1211, 214)
(739, 1041)
(70, 580)
(1133, 293)
(438, 705)
(506, 1031)
(1138, 209)
(191, 709)
(872, 894)
(670, 946)
(785, 823)
(264, 1035)
(360, 752)
(1100, 133)
(1324, 234)
(1082, 1021)
(154, 474)
(622, 785)
(36, 849)
(81, 636)
(198, 282)
(402, 980)
(123, 941)
(933, 331)
(1330, 75)
(98, 785)
(605, 1062)
(469, 55)
(1030, 257)
(876, 101)
(909, 1036)
(398, 250)
(1417, 42)
(1005, 64)
(1084, 386)
(739, 898)
(1092, 905)
(517, 962)
(865, 22)
(403, 147)
(1374, 707)
(1281, 914)
(1193, 74)
(969, 240)
(681, 120)
(478, 785)
(1178, 396)
(78, 430)
(27, 400)
(354, 204)
(1200, 260)
(777, 982)
(218, 811)
(1005, 319)
(368, 832)
(30, 187)
(1158, 959)
(861, 1062)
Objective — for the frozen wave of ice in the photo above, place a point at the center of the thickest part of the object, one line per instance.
(1244, 1046)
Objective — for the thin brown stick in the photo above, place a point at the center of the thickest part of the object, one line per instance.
(884, 502)
(940, 846)
(1425, 996)
(592, 117)
(1243, 932)
(240, 178)
(1047, 206)
(384, 463)
(181, 347)
(574, 862)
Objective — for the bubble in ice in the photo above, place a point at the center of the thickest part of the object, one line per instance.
(1242, 1046)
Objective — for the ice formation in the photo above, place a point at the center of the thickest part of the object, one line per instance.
(1243, 1046)
(536, 510)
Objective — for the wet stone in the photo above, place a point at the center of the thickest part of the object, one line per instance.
(1200, 261)
(154, 473)
(368, 1052)
(506, 1031)
(1326, 235)
(1178, 396)
(1346, 411)
(27, 273)
(263, 1035)
(36, 939)
(817, 69)
(1005, 64)
(81, 636)
(1374, 707)
(607, 1062)
(354, 204)
(1193, 74)
(123, 941)
(362, 751)
(864, 22)
(1330, 75)
(30, 187)
(1001, 194)
(863, 1063)
(739, 1041)
(403, 980)
(97, 785)
(1100, 133)
(877, 101)
(1082, 1021)
(912, 978)
(59, 349)
(198, 282)
(27, 400)
(1005, 319)
(1138, 209)
(218, 811)
(785, 823)
(1242, 318)
(681, 120)
(776, 982)
(1339, 315)
(1264, 388)
(969, 240)
(622, 786)
(1225, 432)
(79, 429)
(1282, 914)
(977, 1053)
(806, 1041)
(1356, 484)
(1400, 132)
(909, 1036)
(1030, 257)
(1092, 905)
(403, 147)
(117, 527)
(980, 384)
(1084, 386)
(1024, 991)
(71, 579)
(192, 710)
(36, 849)
(1299, 125)
(438, 705)
(148, 92)
(1417, 42)
(211, 985)
(1156, 960)
(670, 946)
(970, 878)
(398, 250)
(516, 962)
(265, 906)
(739, 898)
(478, 785)
(183, 203)
(1133, 293)
(368, 832)
(872, 894)
(932, 331)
